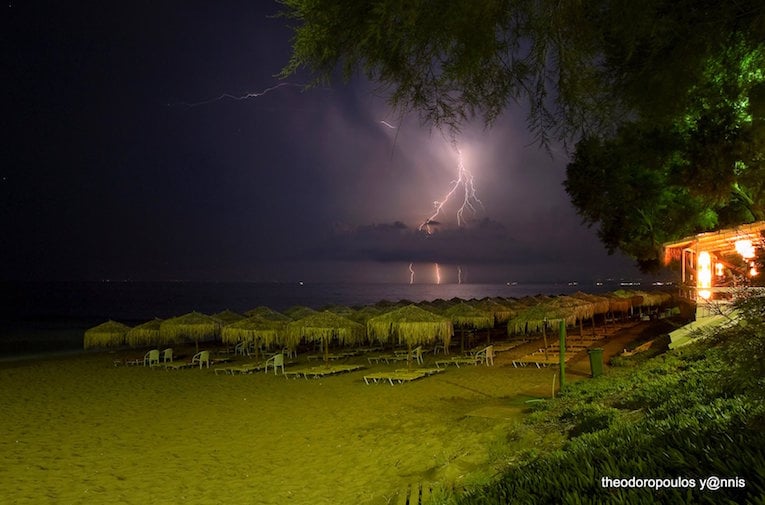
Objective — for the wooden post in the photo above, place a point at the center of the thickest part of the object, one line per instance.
(562, 354)
(544, 336)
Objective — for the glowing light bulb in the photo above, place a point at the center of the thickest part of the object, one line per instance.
(704, 275)
(745, 248)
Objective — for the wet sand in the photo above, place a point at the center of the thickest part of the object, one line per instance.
(77, 429)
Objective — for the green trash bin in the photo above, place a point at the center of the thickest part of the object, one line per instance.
(596, 361)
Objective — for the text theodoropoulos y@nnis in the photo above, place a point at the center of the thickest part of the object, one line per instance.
(712, 483)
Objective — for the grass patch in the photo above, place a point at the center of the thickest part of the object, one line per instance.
(691, 413)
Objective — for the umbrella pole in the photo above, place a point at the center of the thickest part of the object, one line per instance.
(326, 353)
(562, 358)
(544, 337)
(409, 355)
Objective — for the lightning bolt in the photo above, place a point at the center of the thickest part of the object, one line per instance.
(411, 273)
(438, 274)
(459, 274)
(388, 125)
(246, 96)
(470, 200)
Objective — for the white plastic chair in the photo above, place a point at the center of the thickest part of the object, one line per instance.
(202, 357)
(417, 355)
(486, 355)
(277, 360)
(151, 358)
(167, 355)
(242, 348)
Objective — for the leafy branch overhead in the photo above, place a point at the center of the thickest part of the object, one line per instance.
(664, 99)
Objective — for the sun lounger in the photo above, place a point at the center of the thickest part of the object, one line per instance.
(540, 360)
(200, 359)
(330, 357)
(321, 371)
(380, 357)
(507, 346)
(400, 376)
(468, 360)
(240, 369)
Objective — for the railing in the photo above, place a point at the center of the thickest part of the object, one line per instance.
(720, 293)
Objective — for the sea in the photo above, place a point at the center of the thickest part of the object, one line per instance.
(52, 316)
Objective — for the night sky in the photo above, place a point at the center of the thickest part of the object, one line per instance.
(108, 172)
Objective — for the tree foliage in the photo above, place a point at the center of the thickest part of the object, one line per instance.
(655, 181)
(664, 98)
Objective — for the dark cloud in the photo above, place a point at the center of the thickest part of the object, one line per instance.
(483, 241)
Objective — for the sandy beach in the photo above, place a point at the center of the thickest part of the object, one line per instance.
(78, 429)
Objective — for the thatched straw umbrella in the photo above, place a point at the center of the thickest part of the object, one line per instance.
(298, 312)
(431, 307)
(108, 334)
(654, 298)
(363, 314)
(268, 312)
(146, 334)
(530, 320)
(464, 316)
(324, 326)
(536, 318)
(411, 325)
(227, 317)
(340, 310)
(600, 305)
(622, 301)
(258, 330)
(191, 327)
(501, 311)
(581, 309)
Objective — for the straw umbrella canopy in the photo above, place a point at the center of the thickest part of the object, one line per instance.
(635, 297)
(600, 305)
(340, 310)
(146, 334)
(431, 307)
(191, 327)
(228, 316)
(272, 326)
(324, 326)
(579, 308)
(654, 298)
(465, 316)
(256, 329)
(536, 317)
(299, 312)
(267, 313)
(363, 314)
(622, 301)
(108, 334)
(501, 311)
(411, 325)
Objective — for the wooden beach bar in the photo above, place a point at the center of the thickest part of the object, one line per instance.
(714, 267)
